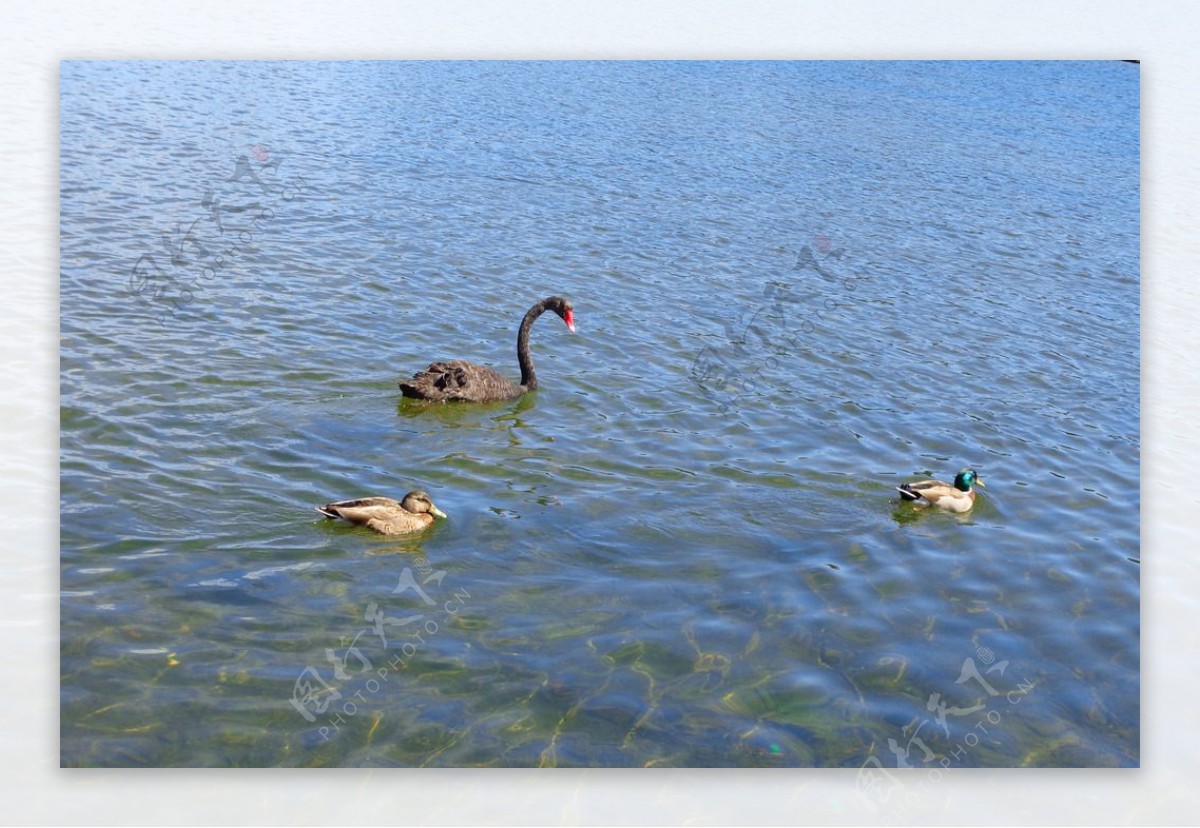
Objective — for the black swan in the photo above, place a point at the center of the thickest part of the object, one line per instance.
(384, 515)
(459, 380)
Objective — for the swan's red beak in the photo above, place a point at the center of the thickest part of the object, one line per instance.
(569, 318)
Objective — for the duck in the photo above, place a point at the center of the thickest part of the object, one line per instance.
(959, 497)
(460, 381)
(384, 515)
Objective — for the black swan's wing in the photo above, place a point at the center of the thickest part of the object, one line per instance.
(459, 380)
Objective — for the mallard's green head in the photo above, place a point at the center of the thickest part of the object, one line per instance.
(966, 479)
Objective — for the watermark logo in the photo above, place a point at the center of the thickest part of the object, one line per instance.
(357, 678)
(883, 790)
(739, 366)
(188, 260)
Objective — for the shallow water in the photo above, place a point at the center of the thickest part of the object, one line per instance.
(797, 285)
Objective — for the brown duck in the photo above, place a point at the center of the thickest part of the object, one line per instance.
(384, 515)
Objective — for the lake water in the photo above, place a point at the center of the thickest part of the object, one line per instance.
(796, 286)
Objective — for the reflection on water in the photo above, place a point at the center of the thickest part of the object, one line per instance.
(797, 286)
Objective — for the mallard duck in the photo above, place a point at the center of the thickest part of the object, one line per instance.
(957, 498)
(384, 515)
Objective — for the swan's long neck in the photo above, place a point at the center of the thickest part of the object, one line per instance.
(528, 377)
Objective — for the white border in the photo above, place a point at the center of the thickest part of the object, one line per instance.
(37, 36)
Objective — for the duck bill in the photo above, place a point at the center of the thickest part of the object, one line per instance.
(569, 318)
(980, 483)
(436, 512)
